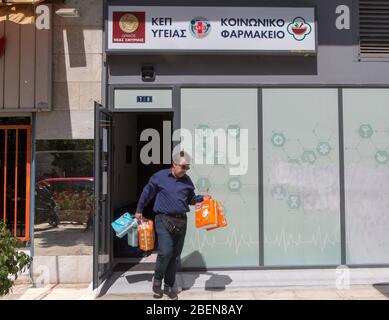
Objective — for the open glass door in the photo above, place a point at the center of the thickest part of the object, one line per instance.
(102, 249)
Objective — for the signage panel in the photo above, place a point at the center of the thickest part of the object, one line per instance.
(202, 29)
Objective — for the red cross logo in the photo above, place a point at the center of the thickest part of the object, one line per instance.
(199, 27)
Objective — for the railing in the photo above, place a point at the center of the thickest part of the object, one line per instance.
(15, 170)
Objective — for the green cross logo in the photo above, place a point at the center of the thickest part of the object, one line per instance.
(278, 140)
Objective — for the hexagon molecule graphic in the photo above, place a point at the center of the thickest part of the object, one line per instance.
(381, 156)
(278, 139)
(365, 131)
(294, 201)
(323, 148)
(234, 130)
(234, 184)
(279, 193)
(308, 156)
(203, 184)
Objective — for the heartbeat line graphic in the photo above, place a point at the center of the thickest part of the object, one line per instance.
(318, 238)
(284, 240)
(234, 240)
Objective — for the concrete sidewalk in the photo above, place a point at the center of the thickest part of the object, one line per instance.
(135, 284)
(354, 293)
(50, 292)
(83, 292)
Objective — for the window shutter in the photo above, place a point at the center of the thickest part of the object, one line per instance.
(374, 29)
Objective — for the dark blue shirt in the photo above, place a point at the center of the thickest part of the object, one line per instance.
(172, 195)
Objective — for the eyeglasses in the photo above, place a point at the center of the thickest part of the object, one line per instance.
(183, 166)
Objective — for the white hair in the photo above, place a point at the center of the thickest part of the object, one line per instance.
(182, 154)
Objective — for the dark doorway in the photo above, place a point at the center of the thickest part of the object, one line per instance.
(130, 173)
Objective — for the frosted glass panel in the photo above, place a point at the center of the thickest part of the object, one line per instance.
(236, 245)
(301, 177)
(366, 135)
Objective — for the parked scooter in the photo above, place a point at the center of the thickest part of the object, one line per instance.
(46, 210)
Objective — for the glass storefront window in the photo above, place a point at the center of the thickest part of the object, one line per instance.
(366, 152)
(230, 114)
(64, 199)
(301, 177)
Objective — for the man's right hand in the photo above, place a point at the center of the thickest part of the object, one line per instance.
(207, 195)
(139, 216)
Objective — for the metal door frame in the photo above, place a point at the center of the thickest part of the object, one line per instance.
(97, 279)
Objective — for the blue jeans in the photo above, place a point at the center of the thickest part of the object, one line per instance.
(169, 251)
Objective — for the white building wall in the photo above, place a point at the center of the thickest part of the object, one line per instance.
(77, 72)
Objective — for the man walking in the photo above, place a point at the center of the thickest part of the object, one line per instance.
(174, 192)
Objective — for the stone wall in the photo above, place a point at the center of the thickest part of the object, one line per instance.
(77, 72)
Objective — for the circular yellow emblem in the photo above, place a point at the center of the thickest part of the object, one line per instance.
(129, 23)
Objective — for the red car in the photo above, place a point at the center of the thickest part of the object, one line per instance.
(57, 196)
(69, 185)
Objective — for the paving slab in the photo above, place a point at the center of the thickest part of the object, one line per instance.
(17, 291)
(357, 293)
(233, 295)
(317, 294)
(274, 294)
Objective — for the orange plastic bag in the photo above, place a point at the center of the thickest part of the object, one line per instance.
(221, 219)
(206, 214)
(146, 235)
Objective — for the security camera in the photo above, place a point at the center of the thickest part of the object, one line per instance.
(148, 73)
(68, 13)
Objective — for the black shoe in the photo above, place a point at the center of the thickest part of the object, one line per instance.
(157, 288)
(170, 292)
